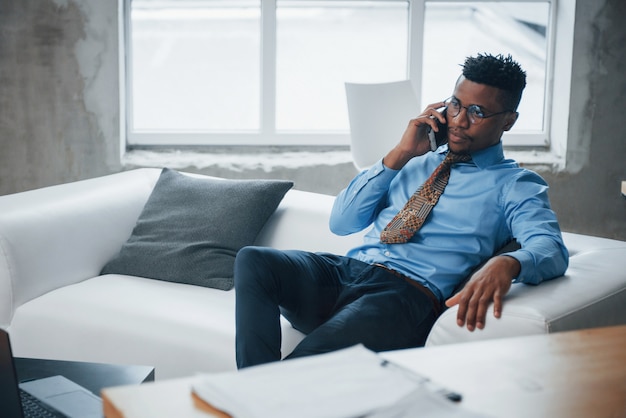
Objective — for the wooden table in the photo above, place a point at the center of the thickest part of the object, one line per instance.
(568, 374)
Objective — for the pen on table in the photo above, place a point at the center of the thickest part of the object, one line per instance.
(450, 395)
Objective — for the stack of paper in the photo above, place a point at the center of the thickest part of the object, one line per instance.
(354, 382)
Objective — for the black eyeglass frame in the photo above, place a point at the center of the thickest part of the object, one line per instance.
(473, 111)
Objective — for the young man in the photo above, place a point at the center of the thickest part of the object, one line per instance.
(387, 293)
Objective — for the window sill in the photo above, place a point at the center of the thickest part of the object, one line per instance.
(234, 160)
(540, 161)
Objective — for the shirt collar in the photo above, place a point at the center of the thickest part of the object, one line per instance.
(485, 157)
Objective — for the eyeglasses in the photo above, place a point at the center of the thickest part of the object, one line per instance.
(474, 112)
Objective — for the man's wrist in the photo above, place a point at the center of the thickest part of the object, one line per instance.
(514, 267)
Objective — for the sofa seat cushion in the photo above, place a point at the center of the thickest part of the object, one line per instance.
(178, 329)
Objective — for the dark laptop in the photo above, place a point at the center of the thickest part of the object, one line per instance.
(54, 396)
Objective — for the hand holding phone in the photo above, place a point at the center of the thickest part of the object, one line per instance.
(440, 137)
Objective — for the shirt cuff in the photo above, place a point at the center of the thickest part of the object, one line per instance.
(526, 262)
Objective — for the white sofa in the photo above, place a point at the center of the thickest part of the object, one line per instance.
(54, 242)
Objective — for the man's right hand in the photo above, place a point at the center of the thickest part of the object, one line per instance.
(414, 141)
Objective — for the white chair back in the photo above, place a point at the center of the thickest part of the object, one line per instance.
(379, 114)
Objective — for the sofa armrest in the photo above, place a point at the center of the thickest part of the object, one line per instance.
(591, 294)
(58, 235)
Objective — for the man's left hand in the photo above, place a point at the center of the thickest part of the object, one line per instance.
(489, 284)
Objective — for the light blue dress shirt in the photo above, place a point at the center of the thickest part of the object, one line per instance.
(487, 202)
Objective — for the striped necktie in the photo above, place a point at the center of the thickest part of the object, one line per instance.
(413, 215)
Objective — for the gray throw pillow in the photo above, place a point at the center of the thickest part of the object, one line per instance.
(191, 229)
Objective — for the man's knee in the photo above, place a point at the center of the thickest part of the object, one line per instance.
(246, 256)
(246, 260)
(252, 263)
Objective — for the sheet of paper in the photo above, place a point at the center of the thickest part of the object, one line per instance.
(354, 382)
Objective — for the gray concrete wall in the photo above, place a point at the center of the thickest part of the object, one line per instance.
(587, 196)
(60, 113)
(59, 78)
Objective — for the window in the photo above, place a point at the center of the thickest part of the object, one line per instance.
(272, 72)
(504, 27)
(194, 66)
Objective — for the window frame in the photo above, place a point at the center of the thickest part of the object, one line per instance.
(556, 94)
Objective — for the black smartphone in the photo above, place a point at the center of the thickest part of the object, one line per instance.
(439, 138)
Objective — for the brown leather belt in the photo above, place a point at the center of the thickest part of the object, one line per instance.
(434, 300)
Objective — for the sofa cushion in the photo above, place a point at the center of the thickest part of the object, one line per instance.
(178, 329)
(191, 228)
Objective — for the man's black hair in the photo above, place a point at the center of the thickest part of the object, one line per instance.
(500, 72)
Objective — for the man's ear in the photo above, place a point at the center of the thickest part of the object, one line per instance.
(510, 120)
